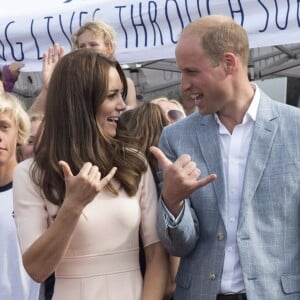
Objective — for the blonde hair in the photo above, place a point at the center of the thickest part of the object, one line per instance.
(101, 30)
(10, 103)
(174, 101)
(219, 34)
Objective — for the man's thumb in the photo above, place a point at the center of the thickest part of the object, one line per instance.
(160, 156)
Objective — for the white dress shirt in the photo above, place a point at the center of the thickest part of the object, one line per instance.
(234, 152)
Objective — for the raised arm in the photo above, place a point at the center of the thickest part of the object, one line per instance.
(50, 60)
(177, 223)
(180, 180)
(131, 100)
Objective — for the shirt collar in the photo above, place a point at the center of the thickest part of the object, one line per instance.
(6, 187)
(252, 109)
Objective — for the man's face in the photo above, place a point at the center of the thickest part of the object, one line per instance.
(8, 139)
(201, 79)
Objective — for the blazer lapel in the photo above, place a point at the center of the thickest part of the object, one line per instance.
(264, 131)
(209, 143)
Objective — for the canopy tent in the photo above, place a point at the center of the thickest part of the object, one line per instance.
(147, 31)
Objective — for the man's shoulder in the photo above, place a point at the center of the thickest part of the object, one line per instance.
(272, 108)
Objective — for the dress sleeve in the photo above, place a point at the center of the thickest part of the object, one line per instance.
(148, 204)
(30, 211)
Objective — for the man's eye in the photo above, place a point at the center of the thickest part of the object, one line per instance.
(191, 72)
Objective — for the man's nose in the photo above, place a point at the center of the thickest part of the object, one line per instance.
(185, 83)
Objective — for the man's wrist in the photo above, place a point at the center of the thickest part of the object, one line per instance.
(175, 208)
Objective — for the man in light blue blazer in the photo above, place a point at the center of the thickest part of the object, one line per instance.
(230, 176)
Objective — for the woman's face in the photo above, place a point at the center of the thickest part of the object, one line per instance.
(171, 111)
(27, 149)
(110, 110)
(89, 40)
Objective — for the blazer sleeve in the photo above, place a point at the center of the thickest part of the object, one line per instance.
(181, 239)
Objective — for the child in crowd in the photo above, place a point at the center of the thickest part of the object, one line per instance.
(14, 128)
(96, 35)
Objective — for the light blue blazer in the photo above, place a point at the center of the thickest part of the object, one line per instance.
(268, 235)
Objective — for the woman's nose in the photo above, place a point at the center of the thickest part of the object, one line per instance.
(121, 104)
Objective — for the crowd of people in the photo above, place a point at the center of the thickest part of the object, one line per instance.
(105, 198)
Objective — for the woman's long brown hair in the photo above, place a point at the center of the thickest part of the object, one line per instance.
(70, 131)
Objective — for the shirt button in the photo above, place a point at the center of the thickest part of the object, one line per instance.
(212, 276)
(220, 236)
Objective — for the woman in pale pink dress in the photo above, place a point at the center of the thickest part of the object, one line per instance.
(81, 203)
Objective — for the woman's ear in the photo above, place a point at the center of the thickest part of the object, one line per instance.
(109, 48)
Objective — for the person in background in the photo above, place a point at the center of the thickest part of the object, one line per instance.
(49, 62)
(144, 125)
(102, 37)
(96, 35)
(26, 151)
(23, 152)
(10, 74)
(230, 198)
(188, 104)
(14, 127)
(172, 108)
(83, 198)
(1, 83)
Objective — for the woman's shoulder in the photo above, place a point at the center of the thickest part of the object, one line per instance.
(24, 165)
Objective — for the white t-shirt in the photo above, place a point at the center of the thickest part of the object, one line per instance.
(15, 283)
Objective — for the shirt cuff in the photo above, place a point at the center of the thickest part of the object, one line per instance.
(170, 220)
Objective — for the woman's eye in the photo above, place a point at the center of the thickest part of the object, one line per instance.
(30, 141)
(111, 96)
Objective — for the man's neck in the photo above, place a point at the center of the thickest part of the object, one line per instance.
(234, 114)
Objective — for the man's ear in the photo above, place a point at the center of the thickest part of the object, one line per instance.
(230, 62)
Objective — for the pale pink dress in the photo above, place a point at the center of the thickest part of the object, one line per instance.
(102, 261)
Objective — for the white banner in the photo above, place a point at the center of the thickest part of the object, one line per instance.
(146, 30)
